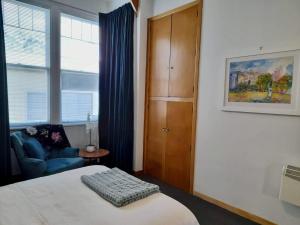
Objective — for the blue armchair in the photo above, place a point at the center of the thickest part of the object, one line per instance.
(49, 160)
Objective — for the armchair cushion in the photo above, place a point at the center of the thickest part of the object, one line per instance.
(34, 149)
(33, 168)
(63, 164)
(68, 152)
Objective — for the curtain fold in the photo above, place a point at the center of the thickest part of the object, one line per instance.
(5, 161)
(116, 86)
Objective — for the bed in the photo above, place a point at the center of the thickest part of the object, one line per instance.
(62, 199)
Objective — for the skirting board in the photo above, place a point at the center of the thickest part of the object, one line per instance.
(235, 210)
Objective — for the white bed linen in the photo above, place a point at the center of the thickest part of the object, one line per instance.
(62, 199)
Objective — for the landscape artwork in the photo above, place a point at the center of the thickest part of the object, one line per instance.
(265, 83)
(261, 80)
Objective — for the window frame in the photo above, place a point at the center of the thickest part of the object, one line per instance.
(74, 71)
(54, 85)
(47, 67)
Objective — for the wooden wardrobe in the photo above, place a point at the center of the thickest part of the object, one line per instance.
(171, 95)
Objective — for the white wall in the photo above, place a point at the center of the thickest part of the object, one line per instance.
(94, 6)
(161, 6)
(145, 11)
(79, 137)
(239, 156)
(114, 4)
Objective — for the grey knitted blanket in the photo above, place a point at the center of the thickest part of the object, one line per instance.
(118, 187)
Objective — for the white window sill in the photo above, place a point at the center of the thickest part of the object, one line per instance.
(70, 124)
(24, 126)
(74, 124)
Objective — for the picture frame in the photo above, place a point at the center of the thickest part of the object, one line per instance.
(264, 83)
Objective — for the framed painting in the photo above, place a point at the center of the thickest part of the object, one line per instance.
(266, 83)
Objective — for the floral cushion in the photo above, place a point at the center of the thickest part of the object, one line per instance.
(50, 136)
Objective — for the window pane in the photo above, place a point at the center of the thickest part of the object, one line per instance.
(22, 82)
(76, 29)
(79, 96)
(79, 68)
(25, 47)
(77, 105)
(79, 81)
(10, 14)
(79, 53)
(26, 43)
(95, 34)
(37, 106)
(39, 21)
(66, 27)
(86, 31)
(26, 35)
(25, 19)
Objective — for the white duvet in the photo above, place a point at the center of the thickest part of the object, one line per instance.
(62, 199)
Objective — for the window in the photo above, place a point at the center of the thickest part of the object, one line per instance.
(26, 31)
(30, 84)
(79, 68)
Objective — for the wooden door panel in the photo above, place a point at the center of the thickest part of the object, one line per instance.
(178, 147)
(160, 57)
(183, 52)
(156, 139)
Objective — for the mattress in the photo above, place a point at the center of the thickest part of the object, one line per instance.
(62, 199)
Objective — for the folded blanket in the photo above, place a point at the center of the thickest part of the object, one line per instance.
(118, 187)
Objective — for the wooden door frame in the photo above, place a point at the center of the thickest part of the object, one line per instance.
(194, 100)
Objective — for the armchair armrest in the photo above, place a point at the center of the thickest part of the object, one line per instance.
(68, 152)
(33, 168)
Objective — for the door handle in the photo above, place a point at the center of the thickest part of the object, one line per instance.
(166, 130)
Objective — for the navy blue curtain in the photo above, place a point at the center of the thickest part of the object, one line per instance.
(5, 163)
(116, 86)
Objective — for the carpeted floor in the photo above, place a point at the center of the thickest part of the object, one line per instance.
(206, 213)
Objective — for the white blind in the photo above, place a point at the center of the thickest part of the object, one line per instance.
(26, 32)
(80, 66)
(76, 106)
(37, 106)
